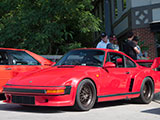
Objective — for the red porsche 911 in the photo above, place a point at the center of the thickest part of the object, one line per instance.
(16, 61)
(83, 77)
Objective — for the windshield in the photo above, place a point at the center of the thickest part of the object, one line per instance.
(83, 57)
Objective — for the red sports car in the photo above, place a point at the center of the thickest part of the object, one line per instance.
(15, 61)
(83, 77)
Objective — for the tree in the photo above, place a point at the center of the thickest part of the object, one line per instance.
(47, 26)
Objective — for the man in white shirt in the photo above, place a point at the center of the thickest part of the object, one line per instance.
(104, 41)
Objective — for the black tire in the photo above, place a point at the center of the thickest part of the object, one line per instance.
(147, 91)
(85, 96)
(2, 96)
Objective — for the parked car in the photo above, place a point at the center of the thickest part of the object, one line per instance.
(83, 77)
(15, 61)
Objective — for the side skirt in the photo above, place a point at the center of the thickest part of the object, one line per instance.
(118, 96)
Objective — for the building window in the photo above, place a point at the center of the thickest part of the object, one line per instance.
(115, 9)
(124, 4)
(158, 43)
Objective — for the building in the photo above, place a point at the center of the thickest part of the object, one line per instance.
(140, 16)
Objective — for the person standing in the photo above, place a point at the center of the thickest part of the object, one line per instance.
(115, 43)
(104, 41)
(135, 40)
(130, 47)
(110, 44)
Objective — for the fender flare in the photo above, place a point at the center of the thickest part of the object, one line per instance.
(139, 78)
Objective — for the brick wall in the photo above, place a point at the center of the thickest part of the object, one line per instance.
(147, 36)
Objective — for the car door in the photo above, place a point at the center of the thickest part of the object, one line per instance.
(21, 62)
(117, 80)
(5, 71)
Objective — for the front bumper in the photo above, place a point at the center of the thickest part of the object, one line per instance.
(67, 90)
(39, 97)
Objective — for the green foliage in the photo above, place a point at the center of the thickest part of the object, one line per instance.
(47, 26)
(70, 46)
(143, 47)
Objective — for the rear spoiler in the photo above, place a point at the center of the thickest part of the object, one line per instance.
(155, 62)
(144, 61)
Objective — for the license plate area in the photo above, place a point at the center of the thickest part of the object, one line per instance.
(23, 99)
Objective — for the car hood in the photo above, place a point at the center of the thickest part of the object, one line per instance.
(54, 76)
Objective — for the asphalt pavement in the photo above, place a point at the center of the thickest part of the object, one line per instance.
(116, 110)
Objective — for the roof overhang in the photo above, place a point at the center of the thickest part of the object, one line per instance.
(155, 26)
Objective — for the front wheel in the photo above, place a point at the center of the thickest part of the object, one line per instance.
(86, 95)
(147, 91)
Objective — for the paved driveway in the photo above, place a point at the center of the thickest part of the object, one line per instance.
(117, 110)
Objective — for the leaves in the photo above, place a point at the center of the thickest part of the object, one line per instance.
(47, 26)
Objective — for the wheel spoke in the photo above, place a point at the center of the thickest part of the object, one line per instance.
(147, 91)
(86, 95)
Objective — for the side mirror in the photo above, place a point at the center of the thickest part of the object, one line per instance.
(109, 65)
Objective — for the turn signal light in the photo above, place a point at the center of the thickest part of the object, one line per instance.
(55, 91)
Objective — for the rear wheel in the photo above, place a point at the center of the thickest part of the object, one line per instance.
(147, 91)
(2, 96)
(86, 95)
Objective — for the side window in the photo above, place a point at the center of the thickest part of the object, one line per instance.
(129, 63)
(116, 58)
(22, 58)
(3, 58)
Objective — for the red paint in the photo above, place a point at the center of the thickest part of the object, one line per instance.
(111, 83)
(9, 71)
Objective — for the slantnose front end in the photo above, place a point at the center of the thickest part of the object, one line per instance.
(39, 96)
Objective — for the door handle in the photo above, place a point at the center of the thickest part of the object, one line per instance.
(127, 72)
(8, 68)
